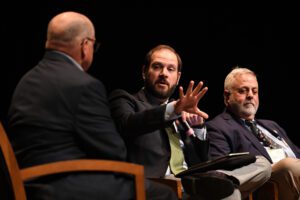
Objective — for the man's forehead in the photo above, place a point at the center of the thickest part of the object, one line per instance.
(165, 56)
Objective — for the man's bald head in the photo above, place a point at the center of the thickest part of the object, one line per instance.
(67, 28)
(71, 33)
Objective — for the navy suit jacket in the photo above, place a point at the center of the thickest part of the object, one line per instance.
(59, 112)
(227, 134)
(142, 124)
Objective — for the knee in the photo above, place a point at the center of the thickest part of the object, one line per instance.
(286, 164)
(265, 166)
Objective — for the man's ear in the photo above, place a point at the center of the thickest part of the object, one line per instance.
(83, 54)
(143, 72)
(178, 79)
(226, 93)
(84, 47)
(226, 96)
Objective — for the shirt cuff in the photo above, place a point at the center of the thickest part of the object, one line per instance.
(170, 112)
(201, 133)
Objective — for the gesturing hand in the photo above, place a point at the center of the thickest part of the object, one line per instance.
(188, 102)
(192, 119)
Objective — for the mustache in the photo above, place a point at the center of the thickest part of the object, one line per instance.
(162, 81)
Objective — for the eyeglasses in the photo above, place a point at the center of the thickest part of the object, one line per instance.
(96, 44)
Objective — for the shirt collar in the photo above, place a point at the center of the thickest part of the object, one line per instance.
(71, 59)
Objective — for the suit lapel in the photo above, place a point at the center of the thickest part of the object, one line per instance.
(276, 131)
(237, 124)
(273, 130)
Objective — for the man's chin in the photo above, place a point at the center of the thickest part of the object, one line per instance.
(161, 94)
(249, 111)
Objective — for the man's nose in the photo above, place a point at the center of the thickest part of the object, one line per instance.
(164, 71)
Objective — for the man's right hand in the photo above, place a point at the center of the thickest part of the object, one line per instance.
(189, 102)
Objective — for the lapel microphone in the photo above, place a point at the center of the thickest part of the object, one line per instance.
(186, 127)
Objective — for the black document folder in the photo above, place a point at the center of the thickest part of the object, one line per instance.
(227, 162)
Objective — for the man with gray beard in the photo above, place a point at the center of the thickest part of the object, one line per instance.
(237, 130)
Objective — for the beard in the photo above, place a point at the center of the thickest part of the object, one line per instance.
(160, 94)
(243, 110)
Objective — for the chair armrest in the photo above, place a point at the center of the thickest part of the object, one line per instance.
(175, 184)
(89, 165)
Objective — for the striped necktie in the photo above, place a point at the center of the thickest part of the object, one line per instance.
(259, 134)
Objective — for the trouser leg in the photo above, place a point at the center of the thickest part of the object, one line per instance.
(286, 173)
(251, 176)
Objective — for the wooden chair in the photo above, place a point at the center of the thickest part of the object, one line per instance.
(17, 176)
(268, 191)
(175, 184)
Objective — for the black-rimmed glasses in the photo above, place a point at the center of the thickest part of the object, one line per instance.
(96, 44)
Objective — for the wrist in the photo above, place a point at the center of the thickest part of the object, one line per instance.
(177, 109)
(199, 126)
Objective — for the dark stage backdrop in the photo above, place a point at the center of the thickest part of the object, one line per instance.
(210, 41)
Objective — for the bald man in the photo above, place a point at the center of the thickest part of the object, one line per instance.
(59, 112)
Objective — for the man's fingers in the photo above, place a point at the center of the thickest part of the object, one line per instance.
(197, 88)
(202, 93)
(190, 88)
(181, 92)
(202, 114)
(183, 116)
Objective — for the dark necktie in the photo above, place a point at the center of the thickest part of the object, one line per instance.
(258, 133)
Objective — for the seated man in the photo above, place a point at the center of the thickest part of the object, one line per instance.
(237, 130)
(59, 112)
(149, 122)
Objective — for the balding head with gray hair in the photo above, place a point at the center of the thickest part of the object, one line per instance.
(67, 33)
(237, 71)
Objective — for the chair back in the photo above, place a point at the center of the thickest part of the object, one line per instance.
(10, 169)
(14, 177)
(5, 184)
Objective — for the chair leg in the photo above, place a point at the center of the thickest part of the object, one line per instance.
(175, 184)
(269, 191)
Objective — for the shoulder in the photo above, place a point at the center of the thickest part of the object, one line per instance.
(218, 119)
(122, 97)
(224, 123)
(268, 123)
(120, 94)
(88, 83)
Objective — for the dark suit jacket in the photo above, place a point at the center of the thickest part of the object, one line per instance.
(227, 134)
(59, 112)
(142, 124)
